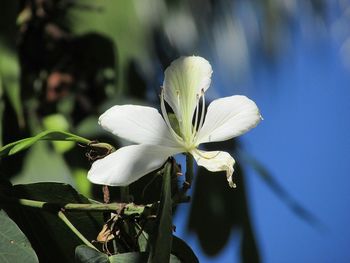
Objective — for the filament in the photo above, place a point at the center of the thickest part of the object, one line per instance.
(194, 129)
(202, 116)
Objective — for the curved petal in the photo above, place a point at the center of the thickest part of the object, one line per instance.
(185, 80)
(216, 161)
(128, 164)
(227, 118)
(138, 124)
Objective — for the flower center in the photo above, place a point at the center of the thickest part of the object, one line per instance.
(188, 131)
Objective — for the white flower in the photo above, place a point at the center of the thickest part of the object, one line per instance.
(185, 83)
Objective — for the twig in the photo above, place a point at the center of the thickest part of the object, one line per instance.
(74, 230)
(128, 209)
(189, 171)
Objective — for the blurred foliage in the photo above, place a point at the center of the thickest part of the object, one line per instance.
(223, 209)
(62, 63)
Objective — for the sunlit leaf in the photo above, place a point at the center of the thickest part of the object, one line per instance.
(23, 144)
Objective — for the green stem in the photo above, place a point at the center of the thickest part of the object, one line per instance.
(189, 169)
(74, 230)
(128, 209)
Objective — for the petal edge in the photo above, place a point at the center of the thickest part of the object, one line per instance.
(139, 124)
(129, 163)
(216, 161)
(227, 118)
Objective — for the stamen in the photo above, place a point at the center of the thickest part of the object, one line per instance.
(202, 117)
(179, 118)
(205, 157)
(178, 98)
(203, 111)
(194, 128)
(166, 118)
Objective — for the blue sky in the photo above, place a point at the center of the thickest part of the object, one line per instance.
(304, 141)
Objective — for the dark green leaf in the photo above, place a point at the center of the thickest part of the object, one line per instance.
(23, 144)
(85, 254)
(14, 246)
(161, 242)
(182, 251)
(225, 210)
(50, 237)
(137, 257)
(2, 109)
(131, 257)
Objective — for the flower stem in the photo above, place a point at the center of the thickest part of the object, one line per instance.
(62, 216)
(102, 145)
(189, 169)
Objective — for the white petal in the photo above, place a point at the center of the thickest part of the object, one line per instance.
(227, 118)
(138, 124)
(184, 81)
(128, 164)
(216, 161)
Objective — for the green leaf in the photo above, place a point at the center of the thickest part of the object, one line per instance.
(161, 245)
(23, 144)
(14, 246)
(130, 257)
(85, 254)
(183, 251)
(137, 257)
(52, 239)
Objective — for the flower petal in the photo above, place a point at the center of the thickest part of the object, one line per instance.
(128, 164)
(227, 118)
(138, 124)
(216, 161)
(184, 81)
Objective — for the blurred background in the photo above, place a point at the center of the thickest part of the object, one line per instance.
(63, 62)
